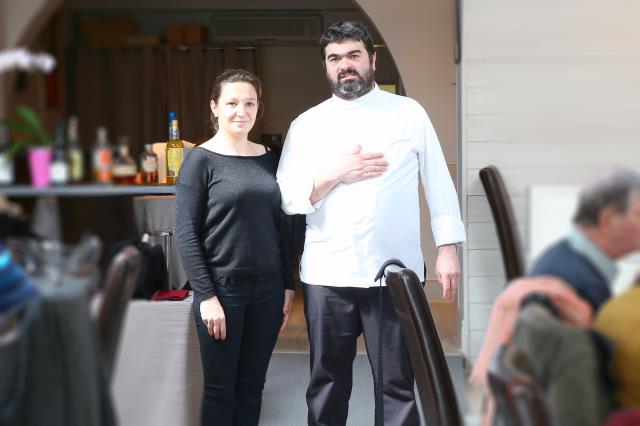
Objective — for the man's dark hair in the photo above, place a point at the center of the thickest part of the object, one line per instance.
(347, 30)
(614, 189)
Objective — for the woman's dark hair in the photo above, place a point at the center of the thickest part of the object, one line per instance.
(347, 30)
(232, 76)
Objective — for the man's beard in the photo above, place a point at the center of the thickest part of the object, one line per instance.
(352, 88)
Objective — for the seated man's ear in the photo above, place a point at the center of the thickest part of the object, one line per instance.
(607, 216)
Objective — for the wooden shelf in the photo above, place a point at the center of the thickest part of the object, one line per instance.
(89, 190)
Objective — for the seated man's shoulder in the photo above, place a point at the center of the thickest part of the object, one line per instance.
(562, 261)
(556, 254)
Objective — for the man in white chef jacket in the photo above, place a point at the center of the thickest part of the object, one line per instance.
(352, 164)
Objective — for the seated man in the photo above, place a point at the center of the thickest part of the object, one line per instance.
(617, 319)
(607, 227)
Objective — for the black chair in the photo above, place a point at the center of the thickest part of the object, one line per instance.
(505, 221)
(519, 399)
(118, 288)
(437, 395)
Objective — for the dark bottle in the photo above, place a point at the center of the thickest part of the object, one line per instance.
(149, 165)
(6, 162)
(59, 161)
(123, 168)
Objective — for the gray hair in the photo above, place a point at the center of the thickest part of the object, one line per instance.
(612, 189)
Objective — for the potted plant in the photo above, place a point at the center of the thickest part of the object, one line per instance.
(36, 139)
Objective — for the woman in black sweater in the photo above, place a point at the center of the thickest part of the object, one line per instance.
(229, 239)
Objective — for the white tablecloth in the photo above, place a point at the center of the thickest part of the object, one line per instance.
(158, 374)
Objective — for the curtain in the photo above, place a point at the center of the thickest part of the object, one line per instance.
(131, 90)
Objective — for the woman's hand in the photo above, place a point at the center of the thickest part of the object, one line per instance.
(286, 309)
(212, 316)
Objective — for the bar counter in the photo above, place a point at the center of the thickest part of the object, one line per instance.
(89, 190)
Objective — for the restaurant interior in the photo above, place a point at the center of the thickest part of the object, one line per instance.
(125, 67)
(529, 91)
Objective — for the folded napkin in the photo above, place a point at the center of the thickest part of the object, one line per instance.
(170, 295)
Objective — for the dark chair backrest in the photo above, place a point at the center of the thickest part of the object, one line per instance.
(437, 394)
(518, 397)
(505, 221)
(118, 288)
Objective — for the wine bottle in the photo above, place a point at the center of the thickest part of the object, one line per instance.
(102, 157)
(149, 165)
(124, 169)
(174, 150)
(74, 152)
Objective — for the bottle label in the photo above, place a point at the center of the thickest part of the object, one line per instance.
(120, 170)
(174, 161)
(102, 165)
(149, 164)
(6, 169)
(59, 172)
(103, 159)
(75, 165)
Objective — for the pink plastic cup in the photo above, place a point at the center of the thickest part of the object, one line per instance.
(39, 166)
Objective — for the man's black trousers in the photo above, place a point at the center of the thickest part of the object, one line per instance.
(336, 316)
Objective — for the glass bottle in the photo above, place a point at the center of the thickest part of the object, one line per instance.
(6, 162)
(124, 169)
(102, 157)
(174, 150)
(74, 152)
(149, 165)
(59, 164)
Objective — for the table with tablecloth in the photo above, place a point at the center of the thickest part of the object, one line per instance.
(158, 374)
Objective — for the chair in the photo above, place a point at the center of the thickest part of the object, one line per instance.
(519, 399)
(435, 387)
(119, 285)
(505, 221)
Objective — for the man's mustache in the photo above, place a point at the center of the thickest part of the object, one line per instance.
(343, 73)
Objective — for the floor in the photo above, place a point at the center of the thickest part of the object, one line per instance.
(445, 314)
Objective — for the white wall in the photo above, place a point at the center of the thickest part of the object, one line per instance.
(550, 95)
(20, 17)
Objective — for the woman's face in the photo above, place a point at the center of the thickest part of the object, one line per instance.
(236, 108)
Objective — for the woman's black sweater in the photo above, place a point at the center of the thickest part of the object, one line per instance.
(228, 220)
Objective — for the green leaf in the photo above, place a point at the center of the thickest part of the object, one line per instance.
(15, 147)
(21, 128)
(33, 123)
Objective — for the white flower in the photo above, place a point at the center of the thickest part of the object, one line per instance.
(22, 59)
